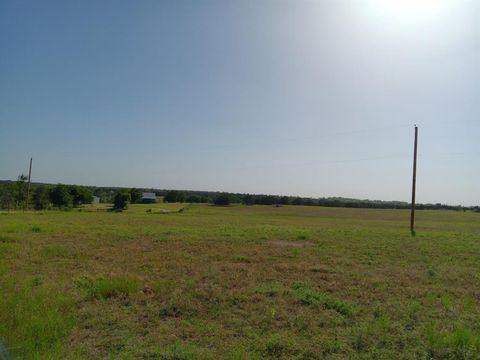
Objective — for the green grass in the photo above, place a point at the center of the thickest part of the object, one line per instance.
(307, 296)
(35, 321)
(240, 282)
(108, 288)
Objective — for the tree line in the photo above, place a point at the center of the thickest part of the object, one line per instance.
(46, 196)
(13, 195)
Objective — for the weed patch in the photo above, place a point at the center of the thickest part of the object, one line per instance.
(108, 288)
(307, 296)
(277, 346)
(302, 236)
(459, 343)
(36, 229)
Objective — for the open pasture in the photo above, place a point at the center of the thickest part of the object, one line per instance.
(240, 282)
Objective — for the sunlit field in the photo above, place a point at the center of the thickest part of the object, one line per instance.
(241, 282)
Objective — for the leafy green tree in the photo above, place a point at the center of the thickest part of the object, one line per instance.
(222, 199)
(7, 196)
(193, 199)
(248, 199)
(197, 199)
(121, 200)
(41, 198)
(81, 195)
(181, 197)
(135, 195)
(297, 201)
(266, 200)
(174, 196)
(60, 196)
(20, 190)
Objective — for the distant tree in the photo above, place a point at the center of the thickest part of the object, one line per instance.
(193, 199)
(7, 196)
(20, 190)
(180, 197)
(222, 199)
(121, 200)
(135, 195)
(170, 196)
(284, 200)
(266, 200)
(41, 198)
(81, 195)
(174, 196)
(248, 199)
(309, 202)
(235, 199)
(197, 199)
(297, 201)
(60, 196)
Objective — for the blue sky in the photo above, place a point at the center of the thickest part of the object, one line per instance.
(311, 98)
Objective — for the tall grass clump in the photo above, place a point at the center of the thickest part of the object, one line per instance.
(35, 321)
(459, 343)
(36, 229)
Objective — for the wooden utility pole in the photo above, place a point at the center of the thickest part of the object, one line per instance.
(27, 197)
(412, 214)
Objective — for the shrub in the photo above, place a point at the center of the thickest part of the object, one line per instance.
(121, 200)
(81, 195)
(135, 195)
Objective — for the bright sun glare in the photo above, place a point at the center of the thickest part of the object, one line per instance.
(408, 10)
(411, 7)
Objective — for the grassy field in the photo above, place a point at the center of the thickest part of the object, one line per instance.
(240, 283)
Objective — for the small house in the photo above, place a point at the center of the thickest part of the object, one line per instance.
(148, 198)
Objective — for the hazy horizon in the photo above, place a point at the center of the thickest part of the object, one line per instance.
(302, 98)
